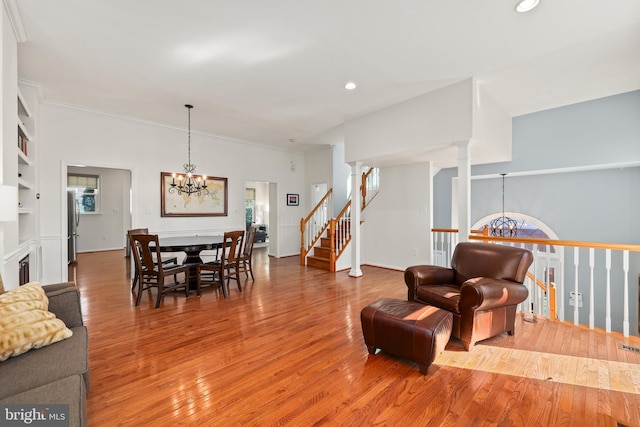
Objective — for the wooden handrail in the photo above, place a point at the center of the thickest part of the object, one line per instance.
(537, 282)
(304, 250)
(527, 240)
(326, 196)
(338, 247)
(575, 243)
(454, 230)
(344, 210)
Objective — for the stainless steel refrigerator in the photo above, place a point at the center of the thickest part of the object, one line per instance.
(73, 219)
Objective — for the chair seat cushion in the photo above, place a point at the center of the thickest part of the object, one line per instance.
(443, 296)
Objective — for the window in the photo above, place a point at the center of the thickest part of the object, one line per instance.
(87, 191)
(250, 205)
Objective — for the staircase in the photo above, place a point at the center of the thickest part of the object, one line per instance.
(328, 238)
(321, 257)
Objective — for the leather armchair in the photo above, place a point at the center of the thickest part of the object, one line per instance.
(482, 288)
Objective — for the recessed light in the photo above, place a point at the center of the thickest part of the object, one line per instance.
(350, 85)
(526, 5)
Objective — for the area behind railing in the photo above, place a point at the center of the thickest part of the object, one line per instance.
(591, 278)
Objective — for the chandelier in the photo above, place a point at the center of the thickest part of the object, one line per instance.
(189, 183)
(503, 226)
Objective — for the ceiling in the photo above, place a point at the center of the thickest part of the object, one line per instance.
(274, 71)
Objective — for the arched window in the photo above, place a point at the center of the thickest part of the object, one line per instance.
(528, 227)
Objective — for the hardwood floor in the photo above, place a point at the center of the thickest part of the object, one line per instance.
(288, 350)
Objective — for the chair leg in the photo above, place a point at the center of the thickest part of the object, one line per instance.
(251, 269)
(238, 278)
(160, 291)
(140, 288)
(186, 284)
(198, 284)
(134, 281)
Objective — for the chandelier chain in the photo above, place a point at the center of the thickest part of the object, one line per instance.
(191, 184)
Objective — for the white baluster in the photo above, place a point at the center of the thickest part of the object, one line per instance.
(591, 293)
(547, 278)
(561, 291)
(625, 268)
(608, 299)
(576, 263)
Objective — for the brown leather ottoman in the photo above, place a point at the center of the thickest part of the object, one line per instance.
(408, 329)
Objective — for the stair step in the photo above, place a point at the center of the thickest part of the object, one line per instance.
(325, 242)
(323, 263)
(321, 252)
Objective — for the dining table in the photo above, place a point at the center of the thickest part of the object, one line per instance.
(192, 246)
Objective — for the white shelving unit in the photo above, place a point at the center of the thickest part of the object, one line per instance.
(26, 170)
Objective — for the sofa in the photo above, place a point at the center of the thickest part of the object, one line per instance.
(482, 288)
(57, 373)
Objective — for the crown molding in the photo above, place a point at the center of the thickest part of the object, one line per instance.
(13, 12)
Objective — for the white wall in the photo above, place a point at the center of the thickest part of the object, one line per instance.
(318, 170)
(436, 119)
(75, 136)
(395, 231)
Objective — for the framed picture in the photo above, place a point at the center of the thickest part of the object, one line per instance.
(210, 201)
(293, 199)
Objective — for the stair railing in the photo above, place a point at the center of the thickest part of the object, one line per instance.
(606, 272)
(370, 186)
(312, 227)
(317, 222)
(340, 234)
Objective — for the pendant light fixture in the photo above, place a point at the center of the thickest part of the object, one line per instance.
(189, 183)
(503, 226)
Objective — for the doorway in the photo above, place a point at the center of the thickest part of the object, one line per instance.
(258, 211)
(102, 198)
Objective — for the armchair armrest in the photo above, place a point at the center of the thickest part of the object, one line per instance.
(64, 302)
(483, 293)
(418, 275)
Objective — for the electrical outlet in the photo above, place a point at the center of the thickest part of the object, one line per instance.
(104, 237)
(414, 251)
(572, 299)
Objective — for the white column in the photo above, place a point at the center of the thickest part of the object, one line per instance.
(356, 209)
(464, 189)
(430, 173)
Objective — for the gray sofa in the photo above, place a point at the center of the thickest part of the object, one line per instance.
(55, 374)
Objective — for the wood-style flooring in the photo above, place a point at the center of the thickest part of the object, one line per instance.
(288, 350)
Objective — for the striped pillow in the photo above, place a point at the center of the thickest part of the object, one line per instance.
(26, 323)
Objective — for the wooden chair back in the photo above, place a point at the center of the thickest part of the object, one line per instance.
(146, 251)
(231, 251)
(249, 239)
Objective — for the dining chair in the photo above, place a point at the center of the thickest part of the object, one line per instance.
(168, 262)
(227, 267)
(246, 257)
(152, 271)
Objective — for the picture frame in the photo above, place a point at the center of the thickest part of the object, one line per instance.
(293, 199)
(179, 204)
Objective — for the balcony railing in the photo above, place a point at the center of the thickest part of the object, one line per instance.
(565, 271)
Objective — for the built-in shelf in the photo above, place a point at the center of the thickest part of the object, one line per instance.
(22, 183)
(23, 159)
(23, 107)
(24, 130)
